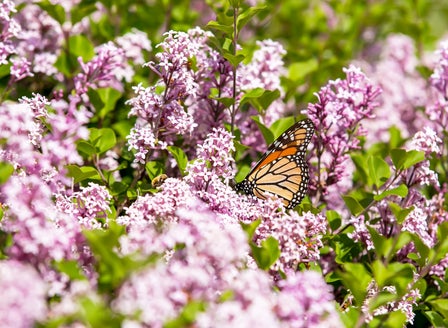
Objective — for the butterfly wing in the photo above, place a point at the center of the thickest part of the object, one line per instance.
(282, 170)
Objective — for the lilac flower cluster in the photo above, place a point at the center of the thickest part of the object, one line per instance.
(89, 206)
(417, 221)
(264, 71)
(213, 161)
(404, 90)
(299, 236)
(102, 71)
(10, 30)
(210, 263)
(40, 41)
(405, 304)
(341, 106)
(39, 144)
(23, 295)
(437, 112)
(192, 79)
(161, 116)
(134, 43)
(306, 301)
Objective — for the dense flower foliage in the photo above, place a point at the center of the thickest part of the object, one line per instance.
(119, 150)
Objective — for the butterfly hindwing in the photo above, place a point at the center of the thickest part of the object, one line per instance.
(282, 170)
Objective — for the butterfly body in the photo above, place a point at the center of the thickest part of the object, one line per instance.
(283, 169)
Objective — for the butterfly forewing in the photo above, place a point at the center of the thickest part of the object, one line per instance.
(283, 170)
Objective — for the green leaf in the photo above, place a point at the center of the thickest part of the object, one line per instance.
(80, 46)
(360, 162)
(82, 10)
(281, 125)
(66, 64)
(401, 191)
(180, 158)
(235, 60)
(85, 147)
(112, 268)
(71, 269)
(379, 170)
(356, 278)
(6, 170)
(383, 246)
(299, 70)
(187, 316)
(395, 274)
(423, 254)
(227, 29)
(441, 306)
(395, 140)
(382, 298)
(250, 228)
(154, 169)
(267, 254)
(436, 319)
(109, 98)
(390, 320)
(400, 213)
(226, 101)
(103, 139)
(265, 131)
(259, 98)
(441, 247)
(350, 317)
(403, 159)
(334, 219)
(81, 173)
(5, 70)
(246, 15)
(353, 205)
(57, 12)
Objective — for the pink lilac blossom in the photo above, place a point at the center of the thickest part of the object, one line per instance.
(90, 206)
(162, 117)
(439, 77)
(10, 30)
(214, 153)
(360, 233)
(404, 90)
(438, 111)
(405, 304)
(173, 63)
(299, 236)
(40, 233)
(52, 134)
(174, 193)
(142, 140)
(426, 141)
(40, 41)
(263, 71)
(210, 254)
(305, 300)
(416, 222)
(20, 69)
(133, 44)
(337, 116)
(106, 69)
(252, 304)
(23, 295)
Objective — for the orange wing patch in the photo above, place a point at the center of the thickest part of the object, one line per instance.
(282, 170)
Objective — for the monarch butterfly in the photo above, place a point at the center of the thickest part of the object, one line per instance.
(282, 170)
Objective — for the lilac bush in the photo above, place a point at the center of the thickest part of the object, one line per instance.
(121, 139)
